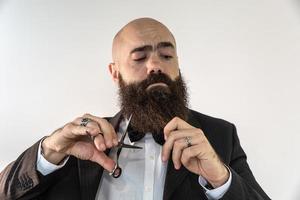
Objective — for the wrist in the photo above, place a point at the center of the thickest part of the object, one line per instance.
(222, 178)
(50, 154)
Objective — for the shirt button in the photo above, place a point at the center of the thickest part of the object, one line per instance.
(152, 157)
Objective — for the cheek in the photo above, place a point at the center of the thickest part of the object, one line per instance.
(133, 73)
(173, 70)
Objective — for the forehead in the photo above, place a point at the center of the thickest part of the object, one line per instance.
(154, 34)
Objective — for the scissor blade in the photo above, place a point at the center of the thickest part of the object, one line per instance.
(121, 144)
(129, 146)
(126, 127)
(127, 124)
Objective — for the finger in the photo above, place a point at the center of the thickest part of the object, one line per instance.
(102, 159)
(191, 152)
(95, 133)
(98, 138)
(108, 131)
(201, 148)
(99, 142)
(174, 124)
(93, 125)
(73, 130)
(87, 151)
(201, 151)
(178, 147)
(175, 135)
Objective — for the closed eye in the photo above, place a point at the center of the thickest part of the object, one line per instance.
(166, 57)
(139, 59)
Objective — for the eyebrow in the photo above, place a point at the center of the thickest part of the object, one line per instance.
(150, 48)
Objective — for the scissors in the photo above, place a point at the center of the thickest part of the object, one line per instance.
(117, 171)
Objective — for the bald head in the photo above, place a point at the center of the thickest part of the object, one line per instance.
(143, 30)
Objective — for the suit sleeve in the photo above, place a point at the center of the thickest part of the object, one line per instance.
(243, 185)
(21, 180)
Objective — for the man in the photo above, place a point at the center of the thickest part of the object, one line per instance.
(184, 155)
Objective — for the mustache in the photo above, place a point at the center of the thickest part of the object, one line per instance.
(155, 78)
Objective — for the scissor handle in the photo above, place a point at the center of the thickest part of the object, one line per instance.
(117, 172)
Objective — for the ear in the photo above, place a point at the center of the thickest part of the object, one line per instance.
(114, 72)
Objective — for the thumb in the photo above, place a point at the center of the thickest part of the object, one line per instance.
(87, 151)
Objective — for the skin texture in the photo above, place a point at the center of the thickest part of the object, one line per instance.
(138, 33)
(154, 52)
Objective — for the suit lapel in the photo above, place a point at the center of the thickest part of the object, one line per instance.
(90, 173)
(175, 177)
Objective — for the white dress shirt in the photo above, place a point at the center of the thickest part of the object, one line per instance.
(143, 173)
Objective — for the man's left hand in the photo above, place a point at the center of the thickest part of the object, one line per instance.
(198, 157)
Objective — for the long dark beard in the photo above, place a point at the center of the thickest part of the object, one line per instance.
(151, 110)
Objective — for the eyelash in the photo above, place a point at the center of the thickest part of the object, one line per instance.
(140, 59)
(167, 57)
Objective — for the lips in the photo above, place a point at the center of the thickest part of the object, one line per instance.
(160, 84)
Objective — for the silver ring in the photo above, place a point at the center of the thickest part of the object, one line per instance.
(85, 121)
(188, 141)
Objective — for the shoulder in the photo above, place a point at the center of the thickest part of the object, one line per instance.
(209, 121)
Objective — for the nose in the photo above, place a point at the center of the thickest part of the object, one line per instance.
(154, 65)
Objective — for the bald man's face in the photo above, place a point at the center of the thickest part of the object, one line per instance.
(145, 66)
(142, 49)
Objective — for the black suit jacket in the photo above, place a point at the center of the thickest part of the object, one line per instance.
(79, 179)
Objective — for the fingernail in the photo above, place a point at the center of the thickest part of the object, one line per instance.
(109, 144)
(163, 158)
(103, 147)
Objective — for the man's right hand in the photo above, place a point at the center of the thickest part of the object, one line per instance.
(74, 139)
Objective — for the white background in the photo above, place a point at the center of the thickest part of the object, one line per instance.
(240, 59)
